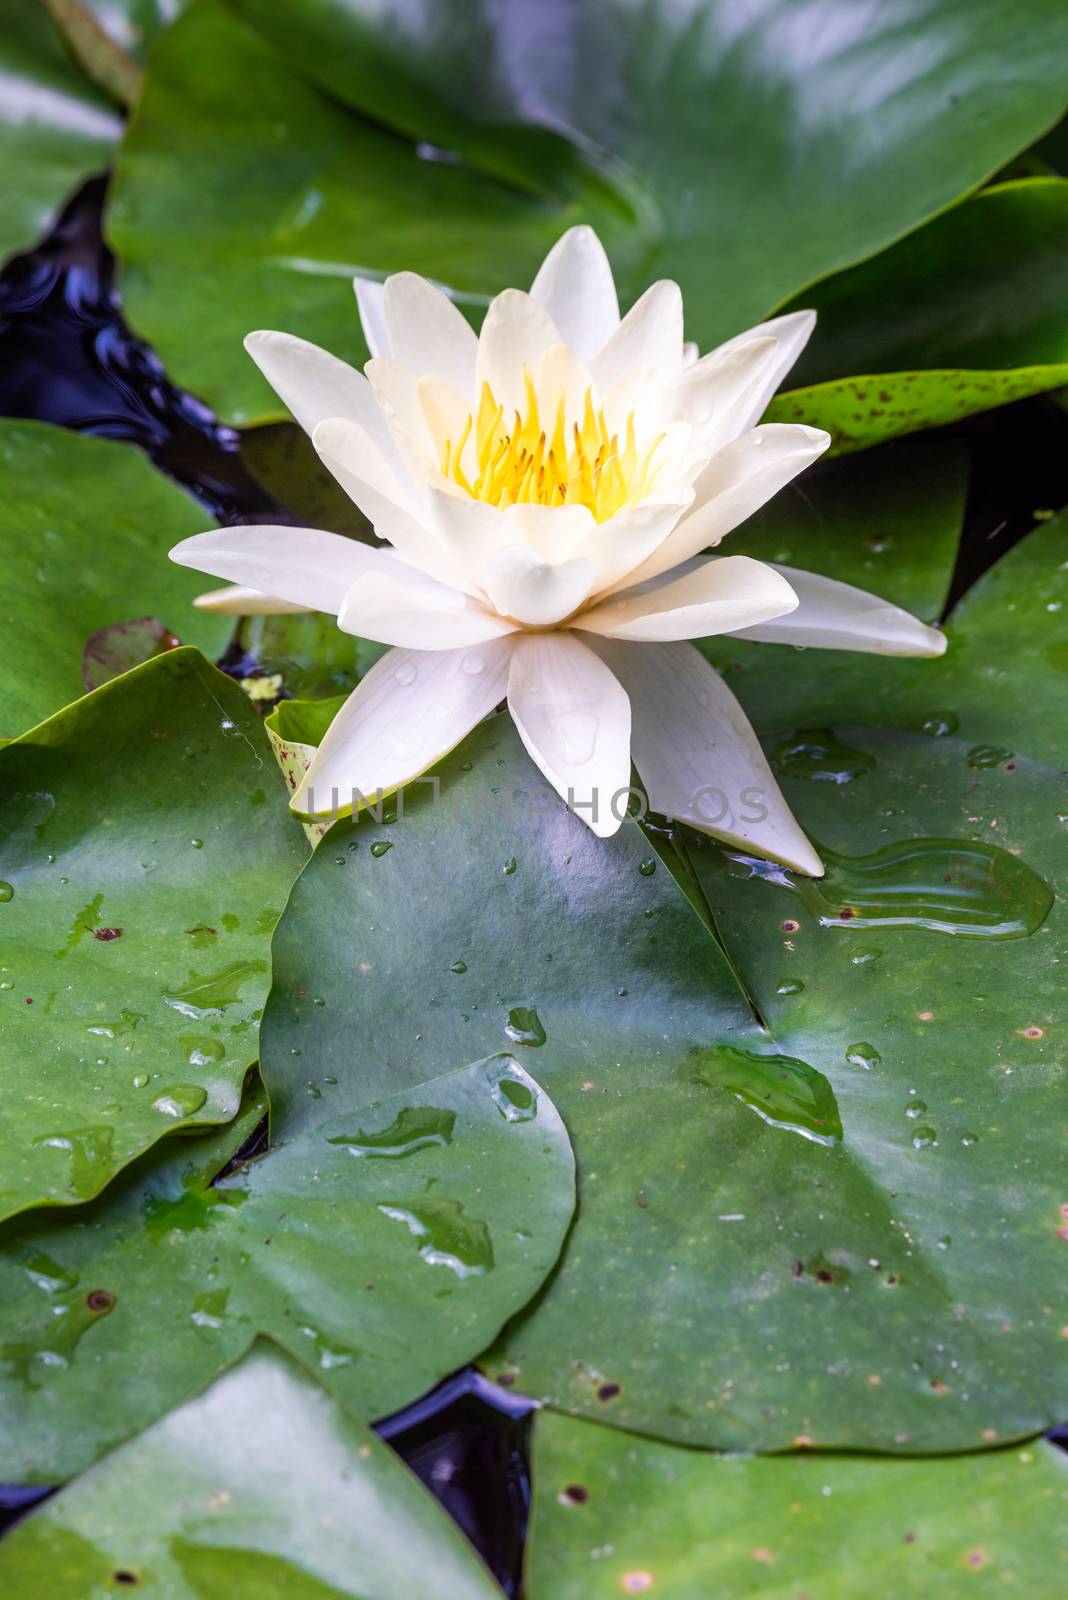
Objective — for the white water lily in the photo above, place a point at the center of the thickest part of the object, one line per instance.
(547, 487)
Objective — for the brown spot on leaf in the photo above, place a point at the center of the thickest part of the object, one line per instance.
(576, 1494)
(105, 935)
(608, 1391)
(100, 1300)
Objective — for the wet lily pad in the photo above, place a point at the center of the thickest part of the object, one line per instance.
(383, 1246)
(614, 1514)
(85, 526)
(147, 856)
(263, 1485)
(741, 118)
(705, 1215)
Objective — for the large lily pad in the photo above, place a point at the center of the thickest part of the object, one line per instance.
(946, 323)
(248, 177)
(147, 854)
(618, 1515)
(85, 526)
(383, 1246)
(717, 1256)
(1002, 682)
(56, 128)
(263, 1486)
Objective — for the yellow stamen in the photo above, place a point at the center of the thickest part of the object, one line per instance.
(527, 464)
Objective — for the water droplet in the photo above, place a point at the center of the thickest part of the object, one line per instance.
(210, 995)
(863, 1055)
(647, 866)
(458, 967)
(783, 1091)
(510, 866)
(988, 756)
(198, 844)
(924, 1138)
(139, 1080)
(7, 891)
(524, 1026)
(89, 1157)
(330, 1352)
(814, 753)
(380, 846)
(181, 1101)
(940, 724)
(472, 664)
(414, 1128)
(953, 886)
(969, 1138)
(861, 958)
(209, 1309)
(791, 986)
(405, 674)
(574, 734)
(202, 1052)
(915, 1108)
(6, 984)
(446, 1237)
(515, 1099)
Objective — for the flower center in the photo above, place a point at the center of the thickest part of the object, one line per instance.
(526, 463)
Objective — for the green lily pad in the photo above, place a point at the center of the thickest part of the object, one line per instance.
(147, 856)
(615, 1515)
(1003, 680)
(263, 1486)
(943, 324)
(725, 1235)
(383, 1246)
(85, 526)
(56, 128)
(249, 177)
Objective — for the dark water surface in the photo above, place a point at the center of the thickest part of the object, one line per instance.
(67, 357)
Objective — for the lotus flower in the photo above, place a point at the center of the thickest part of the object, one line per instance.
(546, 488)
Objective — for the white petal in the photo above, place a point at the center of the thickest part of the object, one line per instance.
(698, 756)
(473, 533)
(428, 333)
(791, 333)
(358, 467)
(625, 541)
(555, 532)
(718, 596)
(307, 566)
(650, 335)
(412, 708)
(576, 287)
(396, 390)
(690, 352)
(404, 607)
(523, 585)
(717, 394)
(574, 720)
(313, 383)
(734, 484)
(369, 303)
(236, 600)
(836, 616)
(516, 331)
